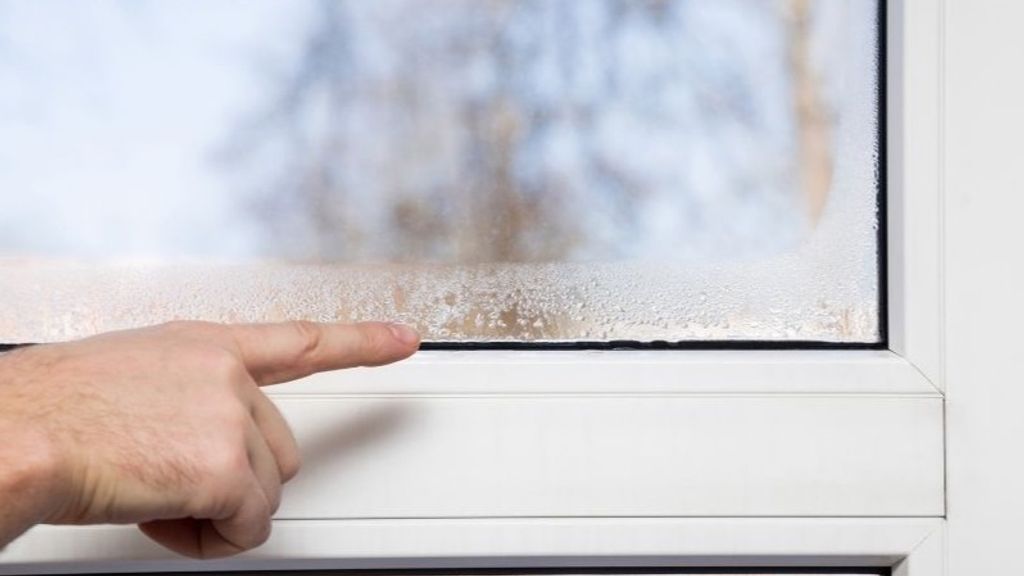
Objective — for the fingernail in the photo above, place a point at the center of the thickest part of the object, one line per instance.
(404, 334)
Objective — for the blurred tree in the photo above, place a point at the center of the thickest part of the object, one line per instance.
(541, 130)
(813, 122)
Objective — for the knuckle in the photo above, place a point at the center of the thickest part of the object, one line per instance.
(262, 532)
(291, 463)
(261, 536)
(222, 365)
(310, 335)
(260, 510)
(227, 464)
(218, 494)
(231, 472)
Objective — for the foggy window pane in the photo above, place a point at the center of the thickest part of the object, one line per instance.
(510, 170)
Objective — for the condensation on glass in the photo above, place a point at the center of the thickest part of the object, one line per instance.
(511, 170)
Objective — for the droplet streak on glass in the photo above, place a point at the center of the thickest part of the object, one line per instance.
(537, 303)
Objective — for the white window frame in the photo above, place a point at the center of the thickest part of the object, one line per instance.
(877, 416)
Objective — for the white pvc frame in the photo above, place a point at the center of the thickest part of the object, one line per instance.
(912, 547)
(800, 532)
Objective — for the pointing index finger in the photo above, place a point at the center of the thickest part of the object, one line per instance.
(276, 353)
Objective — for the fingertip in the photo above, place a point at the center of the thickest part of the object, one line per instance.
(384, 343)
(406, 335)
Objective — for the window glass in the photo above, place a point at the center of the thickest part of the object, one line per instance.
(502, 171)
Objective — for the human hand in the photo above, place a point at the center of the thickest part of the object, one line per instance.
(167, 427)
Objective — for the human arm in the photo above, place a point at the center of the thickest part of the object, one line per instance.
(166, 427)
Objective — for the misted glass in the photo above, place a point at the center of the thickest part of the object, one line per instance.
(496, 171)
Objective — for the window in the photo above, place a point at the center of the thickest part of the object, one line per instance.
(507, 172)
(518, 459)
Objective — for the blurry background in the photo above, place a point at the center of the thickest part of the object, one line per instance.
(447, 130)
(699, 134)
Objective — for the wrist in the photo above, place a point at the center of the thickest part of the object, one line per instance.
(30, 465)
(27, 483)
(29, 470)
